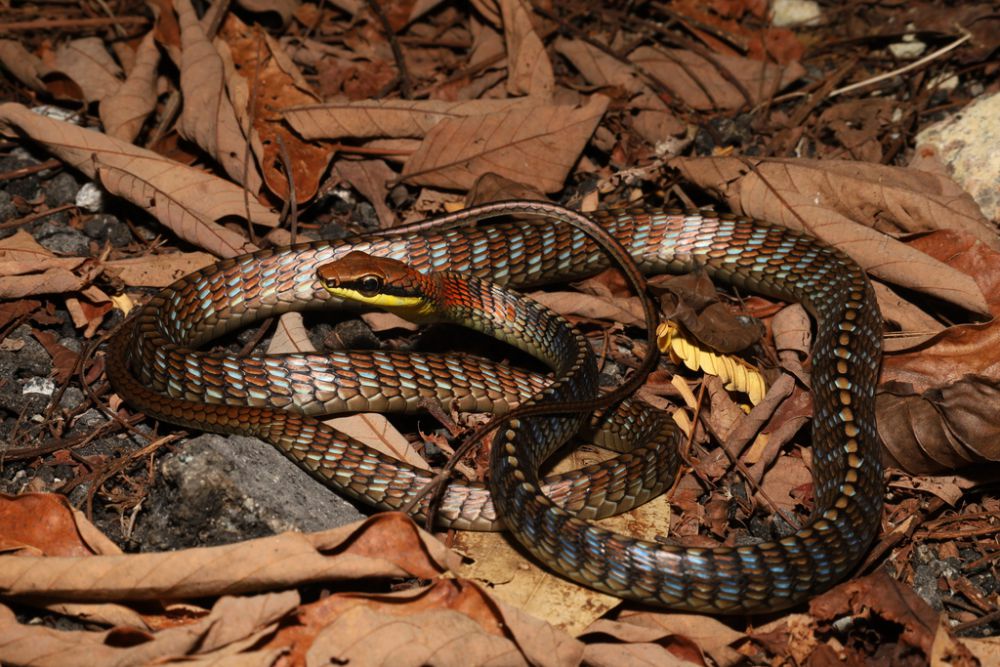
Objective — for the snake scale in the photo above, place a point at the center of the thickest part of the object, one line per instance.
(154, 366)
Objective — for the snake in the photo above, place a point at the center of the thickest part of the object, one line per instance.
(155, 366)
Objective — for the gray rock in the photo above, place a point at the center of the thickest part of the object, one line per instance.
(57, 236)
(218, 490)
(106, 227)
(61, 189)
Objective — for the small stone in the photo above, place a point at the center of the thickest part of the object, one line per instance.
(108, 228)
(61, 189)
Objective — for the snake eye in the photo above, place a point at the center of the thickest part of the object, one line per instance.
(370, 285)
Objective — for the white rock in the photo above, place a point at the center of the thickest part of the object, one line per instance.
(967, 146)
(789, 13)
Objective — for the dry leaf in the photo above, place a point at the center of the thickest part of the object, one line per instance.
(941, 429)
(39, 524)
(881, 595)
(626, 311)
(370, 178)
(124, 112)
(259, 74)
(529, 71)
(158, 270)
(28, 268)
(440, 638)
(386, 545)
(388, 118)
(187, 200)
(24, 65)
(231, 621)
(208, 118)
(838, 201)
(540, 145)
(89, 64)
(699, 82)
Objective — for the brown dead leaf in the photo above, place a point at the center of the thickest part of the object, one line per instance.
(837, 200)
(124, 112)
(158, 270)
(260, 75)
(369, 119)
(880, 594)
(540, 145)
(187, 200)
(13, 310)
(700, 83)
(234, 623)
(24, 65)
(39, 524)
(63, 359)
(492, 187)
(653, 119)
(363, 635)
(386, 545)
(940, 429)
(529, 71)
(371, 179)
(208, 118)
(27, 268)
(687, 637)
(89, 64)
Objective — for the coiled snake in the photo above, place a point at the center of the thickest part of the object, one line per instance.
(274, 397)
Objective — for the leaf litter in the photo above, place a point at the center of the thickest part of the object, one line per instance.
(810, 127)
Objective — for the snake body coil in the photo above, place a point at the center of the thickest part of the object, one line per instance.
(254, 395)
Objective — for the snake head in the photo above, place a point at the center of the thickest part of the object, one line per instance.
(382, 282)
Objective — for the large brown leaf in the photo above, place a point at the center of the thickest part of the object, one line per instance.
(208, 118)
(839, 202)
(539, 145)
(704, 83)
(187, 200)
(388, 118)
(124, 112)
(260, 76)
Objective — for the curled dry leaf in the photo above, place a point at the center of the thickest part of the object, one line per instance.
(89, 64)
(27, 267)
(882, 595)
(40, 524)
(187, 200)
(233, 623)
(369, 119)
(705, 84)
(208, 118)
(529, 71)
(158, 270)
(936, 410)
(386, 545)
(838, 200)
(683, 638)
(653, 119)
(124, 112)
(546, 140)
(262, 77)
(24, 65)
(941, 429)
(370, 178)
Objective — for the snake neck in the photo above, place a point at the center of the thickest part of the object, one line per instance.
(512, 318)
